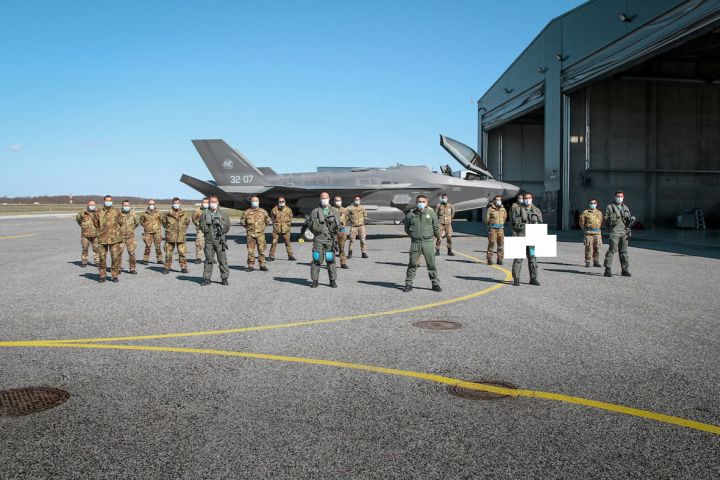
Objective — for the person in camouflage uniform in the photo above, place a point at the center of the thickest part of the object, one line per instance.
(445, 212)
(591, 222)
(324, 223)
(343, 231)
(130, 222)
(151, 221)
(255, 221)
(88, 233)
(619, 220)
(215, 224)
(175, 222)
(422, 225)
(495, 218)
(528, 213)
(281, 216)
(518, 203)
(199, 235)
(108, 222)
(357, 216)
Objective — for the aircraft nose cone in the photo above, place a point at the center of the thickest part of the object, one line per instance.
(510, 191)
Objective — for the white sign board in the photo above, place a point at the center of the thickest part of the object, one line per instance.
(535, 236)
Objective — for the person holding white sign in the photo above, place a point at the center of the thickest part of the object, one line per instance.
(527, 213)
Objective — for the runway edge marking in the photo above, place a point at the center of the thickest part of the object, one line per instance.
(635, 412)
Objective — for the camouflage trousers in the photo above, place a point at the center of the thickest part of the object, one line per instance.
(88, 242)
(342, 240)
(618, 243)
(149, 239)
(213, 249)
(355, 232)
(286, 239)
(496, 238)
(593, 242)
(115, 250)
(130, 245)
(424, 248)
(532, 265)
(445, 231)
(182, 251)
(256, 243)
(199, 245)
(315, 266)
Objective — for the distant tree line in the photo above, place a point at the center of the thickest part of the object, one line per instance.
(82, 199)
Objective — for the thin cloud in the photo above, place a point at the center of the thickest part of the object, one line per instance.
(16, 147)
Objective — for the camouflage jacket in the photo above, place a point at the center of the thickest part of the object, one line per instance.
(175, 223)
(129, 223)
(196, 215)
(342, 215)
(282, 219)
(108, 222)
(255, 221)
(422, 225)
(151, 221)
(495, 216)
(357, 215)
(445, 213)
(324, 226)
(524, 215)
(591, 221)
(86, 220)
(617, 217)
(214, 225)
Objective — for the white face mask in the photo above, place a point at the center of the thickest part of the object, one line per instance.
(204, 206)
(528, 201)
(108, 204)
(619, 199)
(498, 203)
(176, 206)
(281, 204)
(593, 206)
(91, 208)
(125, 209)
(443, 200)
(338, 203)
(421, 205)
(324, 202)
(213, 206)
(254, 204)
(357, 201)
(151, 207)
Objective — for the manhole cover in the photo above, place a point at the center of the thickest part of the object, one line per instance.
(473, 394)
(24, 401)
(438, 325)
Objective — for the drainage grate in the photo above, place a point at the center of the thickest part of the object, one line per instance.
(438, 325)
(472, 394)
(24, 401)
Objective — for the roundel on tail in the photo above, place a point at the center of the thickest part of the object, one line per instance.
(228, 164)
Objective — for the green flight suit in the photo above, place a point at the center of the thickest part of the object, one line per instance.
(422, 226)
(520, 217)
(215, 225)
(617, 219)
(325, 225)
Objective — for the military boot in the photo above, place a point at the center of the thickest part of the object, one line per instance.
(205, 282)
(101, 280)
(133, 272)
(534, 281)
(198, 261)
(437, 251)
(344, 266)
(250, 268)
(364, 255)
(499, 262)
(165, 271)
(450, 253)
(489, 262)
(115, 279)
(263, 268)
(271, 259)
(516, 282)
(225, 281)
(184, 270)
(333, 284)
(292, 258)
(437, 288)
(597, 264)
(587, 264)
(408, 288)
(608, 272)
(625, 273)
(314, 284)
(350, 254)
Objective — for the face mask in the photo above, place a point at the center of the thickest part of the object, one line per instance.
(281, 204)
(420, 205)
(254, 204)
(108, 204)
(338, 203)
(357, 201)
(151, 207)
(528, 201)
(593, 206)
(176, 206)
(125, 209)
(619, 199)
(204, 206)
(91, 208)
(213, 206)
(443, 200)
(324, 202)
(520, 200)
(498, 203)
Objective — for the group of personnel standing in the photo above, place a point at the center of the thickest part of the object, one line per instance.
(109, 229)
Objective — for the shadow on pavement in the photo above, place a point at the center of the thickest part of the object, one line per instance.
(157, 268)
(394, 264)
(565, 270)
(395, 286)
(294, 280)
(481, 279)
(187, 278)
(91, 276)
(459, 260)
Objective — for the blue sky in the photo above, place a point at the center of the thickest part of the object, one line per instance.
(101, 96)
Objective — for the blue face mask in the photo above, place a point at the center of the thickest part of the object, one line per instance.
(108, 204)
(420, 205)
(125, 209)
(91, 208)
(254, 204)
(593, 206)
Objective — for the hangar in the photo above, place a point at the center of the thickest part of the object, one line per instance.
(615, 94)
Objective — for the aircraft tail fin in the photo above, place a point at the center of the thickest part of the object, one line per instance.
(228, 166)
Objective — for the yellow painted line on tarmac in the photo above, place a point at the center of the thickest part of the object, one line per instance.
(397, 311)
(8, 237)
(611, 407)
